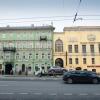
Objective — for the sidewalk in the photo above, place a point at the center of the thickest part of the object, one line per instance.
(27, 78)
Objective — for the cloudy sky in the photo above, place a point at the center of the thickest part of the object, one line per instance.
(44, 12)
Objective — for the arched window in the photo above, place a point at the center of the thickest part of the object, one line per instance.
(30, 56)
(17, 56)
(58, 46)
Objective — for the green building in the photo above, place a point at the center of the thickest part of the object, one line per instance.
(26, 49)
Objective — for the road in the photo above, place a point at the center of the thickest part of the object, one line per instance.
(47, 90)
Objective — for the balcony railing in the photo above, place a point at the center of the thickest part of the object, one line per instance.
(12, 49)
(43, 38)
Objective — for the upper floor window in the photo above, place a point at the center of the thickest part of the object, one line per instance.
(43, 38)
(49, 56)
(83, 48)
(58, 46)
(93, 60)
(70, 60)
(37, 55)
(76, 60)
(42, 55)
(76, 48)
(92, 48)
(99, 47)
(17, 56)
(70, 48)
(30, 56)
(84, 60)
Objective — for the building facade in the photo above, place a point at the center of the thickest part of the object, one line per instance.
(78, 48)
(25, 49)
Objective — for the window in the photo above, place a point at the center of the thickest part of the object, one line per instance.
(70, 60)
(37, 56)
(48, 66)
(0, 66)
(92, 48)
(1, 57)
(93, 60)
(76, 48)
(99, 48)
(43, 38)
(83, 48)
(49, 56)
(23, 57)
(30, 56)
(84, 60)
(76, 60)
(58, 46)
(7, 57)
(17, 56)
(70, 48)
(94, 70)
(37, 67)
(42, 55)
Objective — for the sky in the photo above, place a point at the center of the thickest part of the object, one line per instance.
(59, 13)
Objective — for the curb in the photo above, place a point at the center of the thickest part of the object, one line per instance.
(3, 78)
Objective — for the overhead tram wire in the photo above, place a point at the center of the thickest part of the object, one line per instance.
(45, 21)
(77, 10)
(48, 17)
(37, 17)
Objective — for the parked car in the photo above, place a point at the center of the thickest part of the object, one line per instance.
(81, 77)
(56, 70)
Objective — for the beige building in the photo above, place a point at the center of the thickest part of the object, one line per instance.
(78, 48)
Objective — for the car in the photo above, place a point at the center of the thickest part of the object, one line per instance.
(56, 70)
(81, 77)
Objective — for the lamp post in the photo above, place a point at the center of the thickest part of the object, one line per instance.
(46, 66)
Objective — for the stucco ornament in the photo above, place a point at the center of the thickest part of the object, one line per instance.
(91, 37)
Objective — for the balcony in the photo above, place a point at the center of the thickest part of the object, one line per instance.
(43, 38)
(12, 49)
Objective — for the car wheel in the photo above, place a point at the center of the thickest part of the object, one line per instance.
(64, 71)
(95, 81)
(52, 71)
(69, 81)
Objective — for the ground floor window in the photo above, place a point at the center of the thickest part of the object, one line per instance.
(78, 68)
(36, 67)
(0, 66)
(94, 70)
(48, 66)
(85, 69)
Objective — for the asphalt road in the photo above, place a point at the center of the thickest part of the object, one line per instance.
(48, 90)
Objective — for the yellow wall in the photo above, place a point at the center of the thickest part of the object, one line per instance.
(79, 37)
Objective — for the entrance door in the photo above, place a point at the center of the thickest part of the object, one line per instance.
(23, 67)
(8, 68)
(59, 62)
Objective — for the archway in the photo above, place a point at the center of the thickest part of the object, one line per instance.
(59, 62)
(8, 68)
(78, 68)
(23, 67)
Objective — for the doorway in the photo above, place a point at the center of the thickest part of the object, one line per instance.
(59, 62)
(8, 68)
(23, 67)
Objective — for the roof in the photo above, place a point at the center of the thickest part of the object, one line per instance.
(58, 32)
(82, 28)
(27, 28)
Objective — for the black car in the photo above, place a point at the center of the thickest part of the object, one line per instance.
(81, 77)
